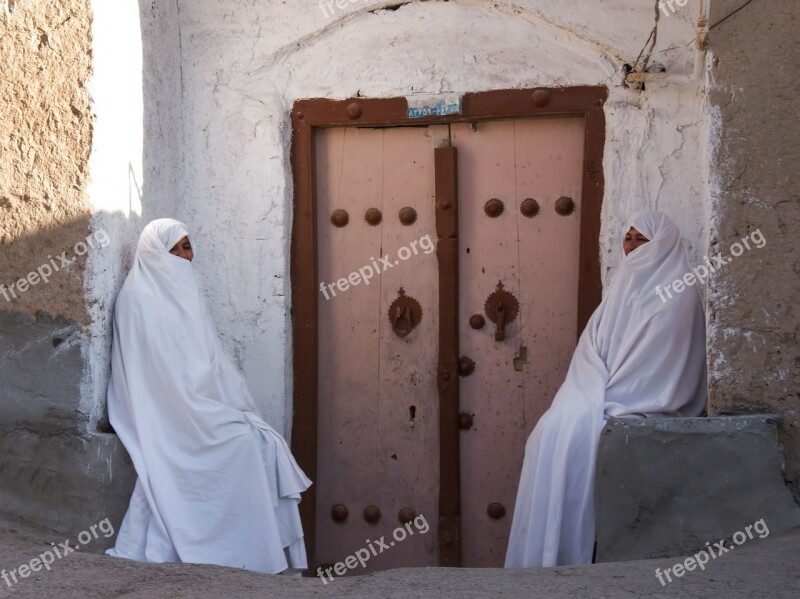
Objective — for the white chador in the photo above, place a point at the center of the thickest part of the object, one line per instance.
(216, 484)
(638, 356)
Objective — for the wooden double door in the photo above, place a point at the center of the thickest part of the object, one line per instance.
(448, 259)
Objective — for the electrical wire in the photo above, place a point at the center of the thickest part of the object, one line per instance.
(720, 22)
(723, 19)
(650, 40)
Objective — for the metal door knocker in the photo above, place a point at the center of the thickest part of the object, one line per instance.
(405, 314)
(501, 308)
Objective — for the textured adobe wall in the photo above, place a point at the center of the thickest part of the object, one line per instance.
(45, 140)
(52, 469)
(753, 311)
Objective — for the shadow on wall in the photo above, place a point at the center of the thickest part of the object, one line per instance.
(45, 302)
(55, 470)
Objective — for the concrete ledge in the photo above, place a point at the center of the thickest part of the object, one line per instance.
(64, 482)
(666, 486)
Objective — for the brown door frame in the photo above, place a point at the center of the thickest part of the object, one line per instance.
(584, 101)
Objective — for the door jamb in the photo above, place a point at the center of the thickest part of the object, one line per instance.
(309, 114)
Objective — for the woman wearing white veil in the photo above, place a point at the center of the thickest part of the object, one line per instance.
(637, 356)
(216, 484)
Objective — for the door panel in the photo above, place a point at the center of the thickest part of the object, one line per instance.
(378, 421)
(536, 259)
(347, 425)
(489, 254)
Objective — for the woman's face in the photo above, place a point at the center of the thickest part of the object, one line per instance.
(633, 239)
(183, 249)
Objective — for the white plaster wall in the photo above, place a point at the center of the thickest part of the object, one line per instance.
(245, 61)
(136, 155)
(115, 173)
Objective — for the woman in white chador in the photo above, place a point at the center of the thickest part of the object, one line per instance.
(638, 356)
(216, 484)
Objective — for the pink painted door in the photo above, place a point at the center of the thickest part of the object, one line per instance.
(378, 440)
(378, 417)
(536, 260)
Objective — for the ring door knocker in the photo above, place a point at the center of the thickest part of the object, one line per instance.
(405, 314)
(501, 308)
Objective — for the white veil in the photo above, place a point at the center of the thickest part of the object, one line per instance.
(216, 484)
(638, 355)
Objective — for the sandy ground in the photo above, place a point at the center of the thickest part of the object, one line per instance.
(760, 568)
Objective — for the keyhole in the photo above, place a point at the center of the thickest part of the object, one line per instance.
(412, 413)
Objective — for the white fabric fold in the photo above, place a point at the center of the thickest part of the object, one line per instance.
(637, 356)
(216, 484)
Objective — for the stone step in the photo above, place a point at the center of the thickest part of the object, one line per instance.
(667, 487)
